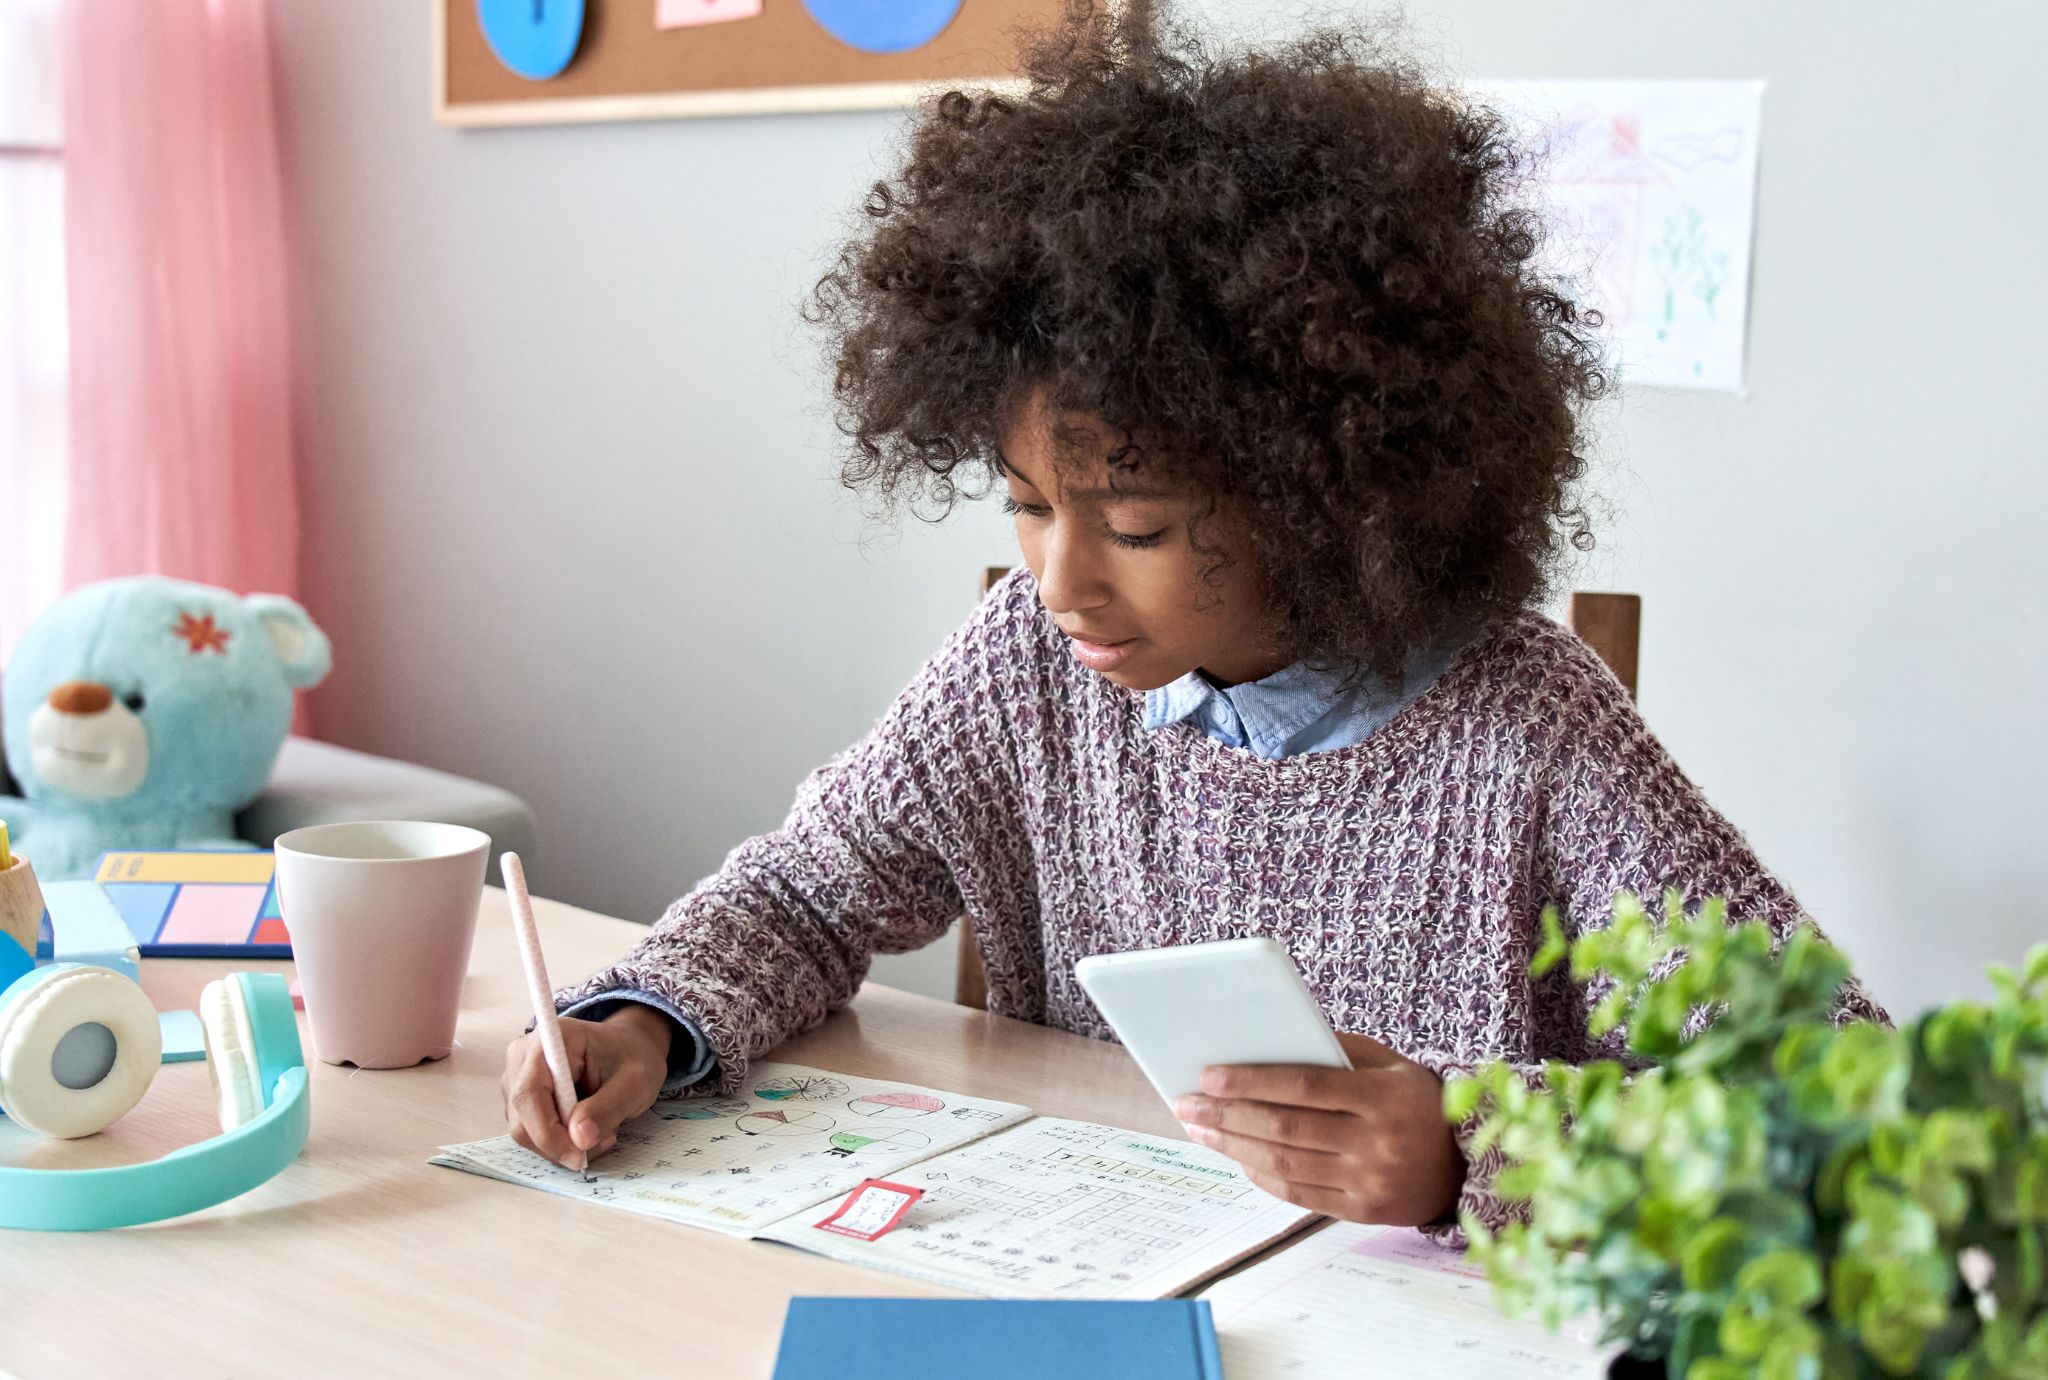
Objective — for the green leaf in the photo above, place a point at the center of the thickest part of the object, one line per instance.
(1851, 1281)
(1717, 1368)
(1941, 1037)
(1801, 1047)
(1771, 1217)
(1745, 1333)
(2033, 1352)
(1708, 1262)
(2005, 1053)
(1946, 1198)
(1907, 1301)
(1788, 1279)
(1554, 948)
(1830, 1184)
(2031, 1184)
(1695, 1340)
(1892, 1144)
(1885, 1222)
(1461, 1098)
(2017, 1273)
(2034, 970)
(1608, 1013)
(1793, 1352)
(2000, 1341)
(1959, 1139)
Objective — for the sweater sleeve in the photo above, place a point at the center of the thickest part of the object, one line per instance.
(784, 932)
(1620, 816)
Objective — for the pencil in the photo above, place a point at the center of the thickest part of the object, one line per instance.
(545, 1023)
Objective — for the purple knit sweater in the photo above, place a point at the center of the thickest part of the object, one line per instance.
(1405, 874)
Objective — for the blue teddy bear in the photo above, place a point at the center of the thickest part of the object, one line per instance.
(143, 713)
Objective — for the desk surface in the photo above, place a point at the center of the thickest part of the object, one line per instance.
(364, 1259)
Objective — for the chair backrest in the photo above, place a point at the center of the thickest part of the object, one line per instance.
(1611, 624)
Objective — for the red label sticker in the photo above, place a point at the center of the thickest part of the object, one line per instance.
(871, 1210)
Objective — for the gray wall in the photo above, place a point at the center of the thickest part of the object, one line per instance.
(572, 526)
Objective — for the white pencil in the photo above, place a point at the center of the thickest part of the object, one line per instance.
(545, 1022)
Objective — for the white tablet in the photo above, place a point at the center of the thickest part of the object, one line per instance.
(1235, 1001)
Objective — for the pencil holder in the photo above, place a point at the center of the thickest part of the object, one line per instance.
(21, 904)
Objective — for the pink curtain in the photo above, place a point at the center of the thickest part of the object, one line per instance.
(181, 454)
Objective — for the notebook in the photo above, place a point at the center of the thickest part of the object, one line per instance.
(197, 903)
(960, 1191)
(1352, 1301)
(945, 1339)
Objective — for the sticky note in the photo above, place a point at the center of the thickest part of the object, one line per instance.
(871, 1210)
(184, 1040)
(211, 915)
(681, 14)
(246, 868)
(144, 905)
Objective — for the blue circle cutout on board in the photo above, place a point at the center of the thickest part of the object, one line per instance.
(534, 38)
(883, 26)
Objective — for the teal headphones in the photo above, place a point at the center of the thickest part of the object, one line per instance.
(78, 1048)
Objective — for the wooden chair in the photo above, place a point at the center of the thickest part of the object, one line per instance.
(1611, 624)
(970, 983)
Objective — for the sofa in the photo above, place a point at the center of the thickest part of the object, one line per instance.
(319, 783)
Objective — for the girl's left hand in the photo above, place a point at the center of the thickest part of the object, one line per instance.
(1368, 1144)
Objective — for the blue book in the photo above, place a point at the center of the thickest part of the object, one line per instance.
(992, 1339)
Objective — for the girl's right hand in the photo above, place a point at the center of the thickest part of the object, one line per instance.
(619, 1065)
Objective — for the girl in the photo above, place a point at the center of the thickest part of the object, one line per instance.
(1287, 422)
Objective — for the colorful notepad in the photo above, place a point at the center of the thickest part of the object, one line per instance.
(197, 904)
(944, 1339)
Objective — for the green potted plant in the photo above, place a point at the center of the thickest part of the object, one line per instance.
(1770, 1193)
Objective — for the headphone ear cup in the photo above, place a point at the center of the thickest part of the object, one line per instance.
(78, 1048)
(230, 1053)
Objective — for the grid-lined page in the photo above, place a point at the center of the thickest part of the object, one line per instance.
(1067, 1209)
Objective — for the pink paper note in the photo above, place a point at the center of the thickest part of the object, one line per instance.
(212, 915)
(679, 14)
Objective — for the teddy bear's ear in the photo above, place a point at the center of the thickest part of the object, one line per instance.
(301, 647)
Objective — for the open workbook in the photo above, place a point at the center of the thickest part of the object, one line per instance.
(978, 1195)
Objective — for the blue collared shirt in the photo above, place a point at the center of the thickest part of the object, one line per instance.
(1296, 710)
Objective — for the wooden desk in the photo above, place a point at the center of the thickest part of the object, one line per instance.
(362, 1259)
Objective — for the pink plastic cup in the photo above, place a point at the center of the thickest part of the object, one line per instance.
(381, 918)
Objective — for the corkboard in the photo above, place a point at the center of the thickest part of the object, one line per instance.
(779, 60)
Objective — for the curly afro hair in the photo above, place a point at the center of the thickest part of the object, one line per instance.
(1298, 278)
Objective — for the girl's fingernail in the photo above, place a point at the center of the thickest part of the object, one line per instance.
(1203, 1135)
